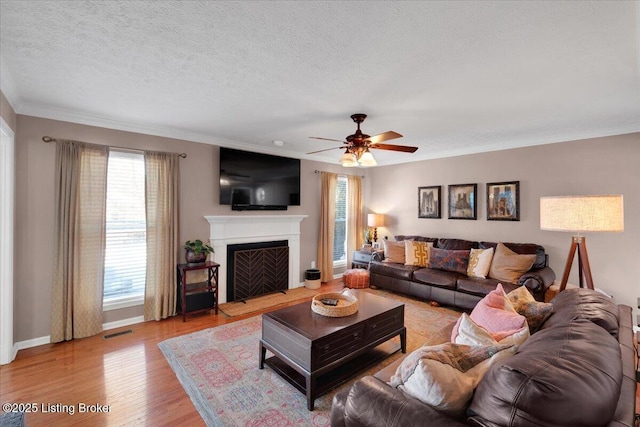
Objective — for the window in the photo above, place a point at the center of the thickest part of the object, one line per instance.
(340, 230)
(126, 232)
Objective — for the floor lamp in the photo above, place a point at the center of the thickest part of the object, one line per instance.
(581, 214)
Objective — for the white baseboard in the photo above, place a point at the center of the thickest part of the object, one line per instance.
(123, 322)
(35, 342)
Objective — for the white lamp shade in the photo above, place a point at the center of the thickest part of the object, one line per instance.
(366, 159)
(375, 220)
(348, 160)
(582, 213)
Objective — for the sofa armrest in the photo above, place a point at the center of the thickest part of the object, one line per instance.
(372, 402)
(537, 281)
(377, 256)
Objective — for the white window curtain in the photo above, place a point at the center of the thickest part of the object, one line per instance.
(161, 188)
(81, 185)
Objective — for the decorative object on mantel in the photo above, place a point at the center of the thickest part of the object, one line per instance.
(503, 201)
(196, 251)
(346, 304)
(579, 214)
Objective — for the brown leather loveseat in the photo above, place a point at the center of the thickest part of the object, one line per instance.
(453, 288)
(578, 369)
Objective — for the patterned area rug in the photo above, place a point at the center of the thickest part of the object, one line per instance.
(218, 368)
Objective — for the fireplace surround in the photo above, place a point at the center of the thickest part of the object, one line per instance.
(237, 229)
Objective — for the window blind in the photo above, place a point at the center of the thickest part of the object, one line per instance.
(126, 250)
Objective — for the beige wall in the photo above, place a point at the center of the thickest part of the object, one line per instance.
(594, 166)
(7, 113)
(606, 165)
(198, 197)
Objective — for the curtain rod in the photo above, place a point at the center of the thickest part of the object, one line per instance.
(319, 171)
(48, 139)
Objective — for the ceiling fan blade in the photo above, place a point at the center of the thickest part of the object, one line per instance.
(386, 136)
(403, 148)
(326, 149)
(328, 139)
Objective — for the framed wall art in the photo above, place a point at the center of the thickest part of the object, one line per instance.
(429, 202)
(503, 201)
(462, 201)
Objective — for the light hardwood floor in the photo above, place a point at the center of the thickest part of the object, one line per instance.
(127, 372)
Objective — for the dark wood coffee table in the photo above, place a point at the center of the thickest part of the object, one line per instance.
(315, 353)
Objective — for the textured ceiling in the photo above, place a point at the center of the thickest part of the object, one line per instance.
(452, 77)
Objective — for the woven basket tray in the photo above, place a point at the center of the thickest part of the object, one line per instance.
(347, 304)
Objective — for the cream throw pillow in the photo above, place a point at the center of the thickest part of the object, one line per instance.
(470, 333)
(508, 266)
(479, 262)
(417, 253)
(444, 376)
(393, 251)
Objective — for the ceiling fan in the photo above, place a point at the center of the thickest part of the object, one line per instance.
(357, 145)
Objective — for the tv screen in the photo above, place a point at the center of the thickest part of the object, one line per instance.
(258, 181)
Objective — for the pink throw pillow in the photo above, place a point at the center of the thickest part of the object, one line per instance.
(496, 314)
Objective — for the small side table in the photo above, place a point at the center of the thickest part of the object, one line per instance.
(361, 259)
(201, 296)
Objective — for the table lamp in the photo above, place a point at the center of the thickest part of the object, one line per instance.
(581, 214)
(375, 221)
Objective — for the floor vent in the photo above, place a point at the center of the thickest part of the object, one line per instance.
(115, 334)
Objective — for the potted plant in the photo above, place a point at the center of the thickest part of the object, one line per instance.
(196, 251)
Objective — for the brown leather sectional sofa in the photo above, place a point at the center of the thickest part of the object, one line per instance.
(452, 288)
(576, 370)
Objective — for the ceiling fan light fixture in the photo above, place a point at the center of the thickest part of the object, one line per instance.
(348, 160)
(366, 159)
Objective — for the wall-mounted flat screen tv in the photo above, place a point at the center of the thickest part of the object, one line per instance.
(255, 181)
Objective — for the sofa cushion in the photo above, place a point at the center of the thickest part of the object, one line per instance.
(397, 271)
(456, 244)
(444, 376)
(546, 382)
(449, 260)
(417, 253)
(481, 287)
(479, 262)
(401, 237)
(524, 303)
(393, 251)
(508, 266)
(586, 304)
(522, 249)
(440, 278)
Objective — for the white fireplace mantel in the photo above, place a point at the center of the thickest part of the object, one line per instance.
(236, 229)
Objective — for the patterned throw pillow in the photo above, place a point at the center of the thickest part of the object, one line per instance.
(525, 304)
(444, 376)
(417, 253)
(393, 251)
(479, 262)
(443, 259)
(509, 266)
